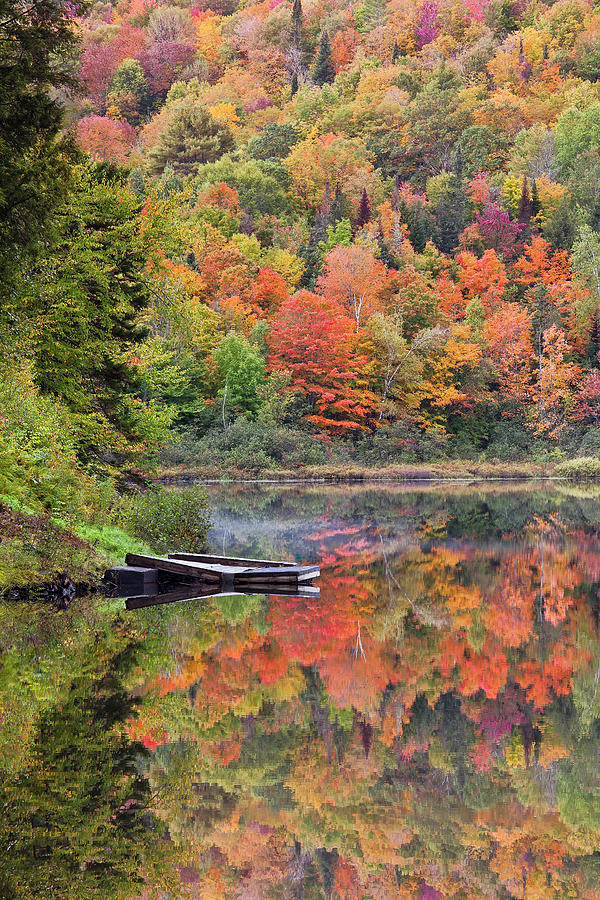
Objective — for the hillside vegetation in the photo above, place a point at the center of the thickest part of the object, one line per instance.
(373, 222)
(279, 236)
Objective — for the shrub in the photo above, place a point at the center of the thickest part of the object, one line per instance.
(169, 520)
(580, 468)
(250, 446)
(590, 445)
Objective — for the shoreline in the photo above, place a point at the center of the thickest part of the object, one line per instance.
(410, 474)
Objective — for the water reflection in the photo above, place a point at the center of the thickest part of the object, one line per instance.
(427, 727)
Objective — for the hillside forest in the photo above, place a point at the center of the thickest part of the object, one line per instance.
(275, 234)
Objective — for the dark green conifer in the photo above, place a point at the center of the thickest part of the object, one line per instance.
(364, 211)
(338, 205)
(323, 70)
(524, 214)
(535, 201)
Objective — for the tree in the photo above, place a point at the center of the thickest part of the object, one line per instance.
(354, 279)
(525, 204)
(399, 363)
(323, 70)
(311, 337)
(241, 371)
(508, 334)
(128, 97)
(78, 814)
(82, 311)
(555, 384)
(105, 138)
(364, 211)
(37, 41)
(163, 65)
(191, 138)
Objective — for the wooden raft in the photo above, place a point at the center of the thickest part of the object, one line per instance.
(227, 572)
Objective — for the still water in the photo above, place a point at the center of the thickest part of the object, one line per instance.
(427, 728)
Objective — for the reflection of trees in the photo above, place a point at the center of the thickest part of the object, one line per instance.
(429, 725)
(75, 820)
(430, 737)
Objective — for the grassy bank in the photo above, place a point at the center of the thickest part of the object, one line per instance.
(36, 548)
(439, 471)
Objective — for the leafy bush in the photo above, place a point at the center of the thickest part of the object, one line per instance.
(579, 468)
(590, 444)
(402, 442)
(252, 446)
(169, 520)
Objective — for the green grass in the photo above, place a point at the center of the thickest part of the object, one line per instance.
(110, 542)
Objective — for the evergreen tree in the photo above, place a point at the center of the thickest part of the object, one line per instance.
(311, 253)
(38, 42)
(524, 214)
(191, 139)
(76, 822)
(338, 205)
(535, 201)
(296, 35)
(82, 310)
(451, 216)
(593, 348)
(364, 211)
(395, 53)
(323, 70)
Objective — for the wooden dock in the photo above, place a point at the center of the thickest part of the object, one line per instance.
(190, 593)
(208, 575)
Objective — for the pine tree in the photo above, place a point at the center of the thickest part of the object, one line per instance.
(191, 138)
(311, 253)
(338, 205)
(395, 53)
(323, 70)
(364, 211)
(296, 35)
(451, 216)
(525, 204)
(535, 201)
(593, 349)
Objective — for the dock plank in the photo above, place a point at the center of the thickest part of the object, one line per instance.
(231, 560)
(193, 569)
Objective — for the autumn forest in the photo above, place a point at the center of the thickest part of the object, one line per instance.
(348, 231)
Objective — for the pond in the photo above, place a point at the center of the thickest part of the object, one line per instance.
(428, 727)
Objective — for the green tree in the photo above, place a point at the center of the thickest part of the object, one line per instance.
(75, 822)
(191, 139)
(128, 96)
(323, 71)
(275, 140)
(37, 43)
(241, 371)
(81, 311)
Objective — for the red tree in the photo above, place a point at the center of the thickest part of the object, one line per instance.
(312, 338)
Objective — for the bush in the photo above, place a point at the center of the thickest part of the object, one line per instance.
(251, 446)
(580, 468)
(169, 520)
(590, 444)
(402, 442)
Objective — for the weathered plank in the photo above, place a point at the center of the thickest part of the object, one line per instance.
(202, 571)
(230, 560)
(192, 593)
(296, 573)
